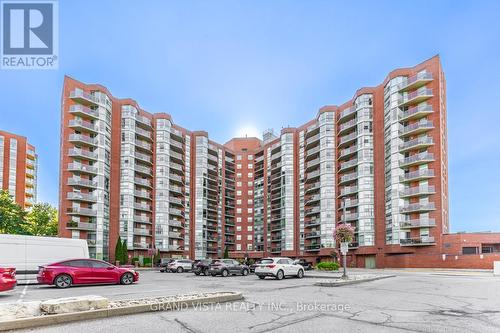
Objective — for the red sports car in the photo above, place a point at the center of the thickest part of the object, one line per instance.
(7, 278)
(85, 271)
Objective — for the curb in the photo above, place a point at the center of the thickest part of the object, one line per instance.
(105, 313)
(346, 283)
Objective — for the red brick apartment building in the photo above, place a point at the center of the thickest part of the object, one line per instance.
(377, 162)
(18, 168)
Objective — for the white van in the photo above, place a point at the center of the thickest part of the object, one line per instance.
(26, 253)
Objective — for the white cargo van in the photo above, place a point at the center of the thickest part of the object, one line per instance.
(26, 253)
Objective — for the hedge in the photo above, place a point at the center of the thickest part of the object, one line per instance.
(328, 266)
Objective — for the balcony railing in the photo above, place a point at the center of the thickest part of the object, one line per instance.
(143, 133)
(81, 182)
(81, 211)
(416, 112)
(417, 159)
(144, 182)
(349, 203)
(418, 223)
(349, 217)
(348, 190)
(347, 125)
(77, 196)
(144, 157)
(142, 231)
(348, 164)
(418, 241)
(415, 97)
(143, 120)
(175, 223)
(143, 144)
(85, 111)
(78, 123)
(76, 152)
(83, 138)
(418, 174)
(82, 168)
(143, 194)
(81, 226)
(419, 142)
(82, 97)
(415, 81)
(141, 206)
(142, 219)
(417, 128)
(419, 190)
(347, 112)
(143, 169)
(418, 207)
(347, 138)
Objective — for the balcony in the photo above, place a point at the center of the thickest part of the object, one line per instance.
(176, 166)
(346, 139)
(81, 211)
(347, 190)
(418, 207)
(312, 163)
(84, 111)
(418, 241)
(312, 211)
(174, 234)
(77, 196)
(142, 194)
(417, 191)
(348, 178)
(417, 175)
(416, 112)
(142, 206)
(177, 156)
(143, 133)
(141, 246)
(176, 189)
(311, 199)
(310, 235)
(83, 168)
(81, 182)
(312, 187)
(312, 151)
(142, 182)
(418, 223)
(177, 145)
(144, 157)
(82, 125)
(72, 225)
(348, 151)
(143, 145)
(416, 81)
(142, 219)
(82, 97)
(418, 143)
(415, 97)
(176, 201)
(349, 112)
(349, 203)
(312, 247)
(348, 165)
(143, 120)
(349, 217)
(312, 175)
(142, 232)
(143, 169)
(416, 128)
(176, 212)
(81, 153)
(175, 223)
(417, 159)
(83, 139)
(176, 178)
(347, 126)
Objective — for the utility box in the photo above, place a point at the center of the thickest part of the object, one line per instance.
(496, 268)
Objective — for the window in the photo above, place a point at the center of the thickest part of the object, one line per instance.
(238, 157)
(250, 174)
(250, 184)
(238, 219)
(250, 192)
(250, 157)
(238, 247)
(238, 202)
(249, 228)
(238, 210)
(238, 184)
(469, 250)
(238, 166)
(77, 263)
(238, 228)
(99, 264)
(249, 237)
(238, 192)
(250, 166)
(238, 237)
(238, 175)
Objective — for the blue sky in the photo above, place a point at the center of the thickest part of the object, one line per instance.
(223, 66)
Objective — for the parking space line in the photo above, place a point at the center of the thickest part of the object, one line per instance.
(23, 293)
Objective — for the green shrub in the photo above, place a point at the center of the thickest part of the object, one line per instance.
(328, 266)
(146, 261)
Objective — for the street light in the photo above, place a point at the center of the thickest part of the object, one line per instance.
(344, 246)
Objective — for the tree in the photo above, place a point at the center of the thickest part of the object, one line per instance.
(12, 216)
(124, 251)
(226, 253)
(42, 220)
(119, 250)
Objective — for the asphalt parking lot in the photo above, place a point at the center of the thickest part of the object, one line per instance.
(410, 301)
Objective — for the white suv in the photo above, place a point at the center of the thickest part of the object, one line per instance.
(180, 265)
(278, 268)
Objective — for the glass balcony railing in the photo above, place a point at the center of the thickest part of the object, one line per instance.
(415, 81)
(416, 112)
(418, 191)
(417, 159)
(420, 142)
(417, 128)
(418, 207)
(416, 175)
(417, 241)
(418, 223)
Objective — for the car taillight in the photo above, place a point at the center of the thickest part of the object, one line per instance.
(9, 273)
(271, 266)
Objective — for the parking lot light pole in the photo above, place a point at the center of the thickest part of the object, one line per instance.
(344, 246)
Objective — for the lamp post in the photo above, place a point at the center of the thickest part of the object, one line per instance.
(344, 246)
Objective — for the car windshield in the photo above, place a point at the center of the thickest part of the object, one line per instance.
(266, 261)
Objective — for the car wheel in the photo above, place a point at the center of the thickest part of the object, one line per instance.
(300, 273)
(180, 270)
(63, 281)
(280, 275)
(224, 273)
(262, 277)
(213, 274)
(244, 272)
(196, 273)
(127, 278)
(205, 272)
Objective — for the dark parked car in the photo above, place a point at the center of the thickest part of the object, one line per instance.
(202, 266)
(252, 266)
(306, 264)
(224, 267)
